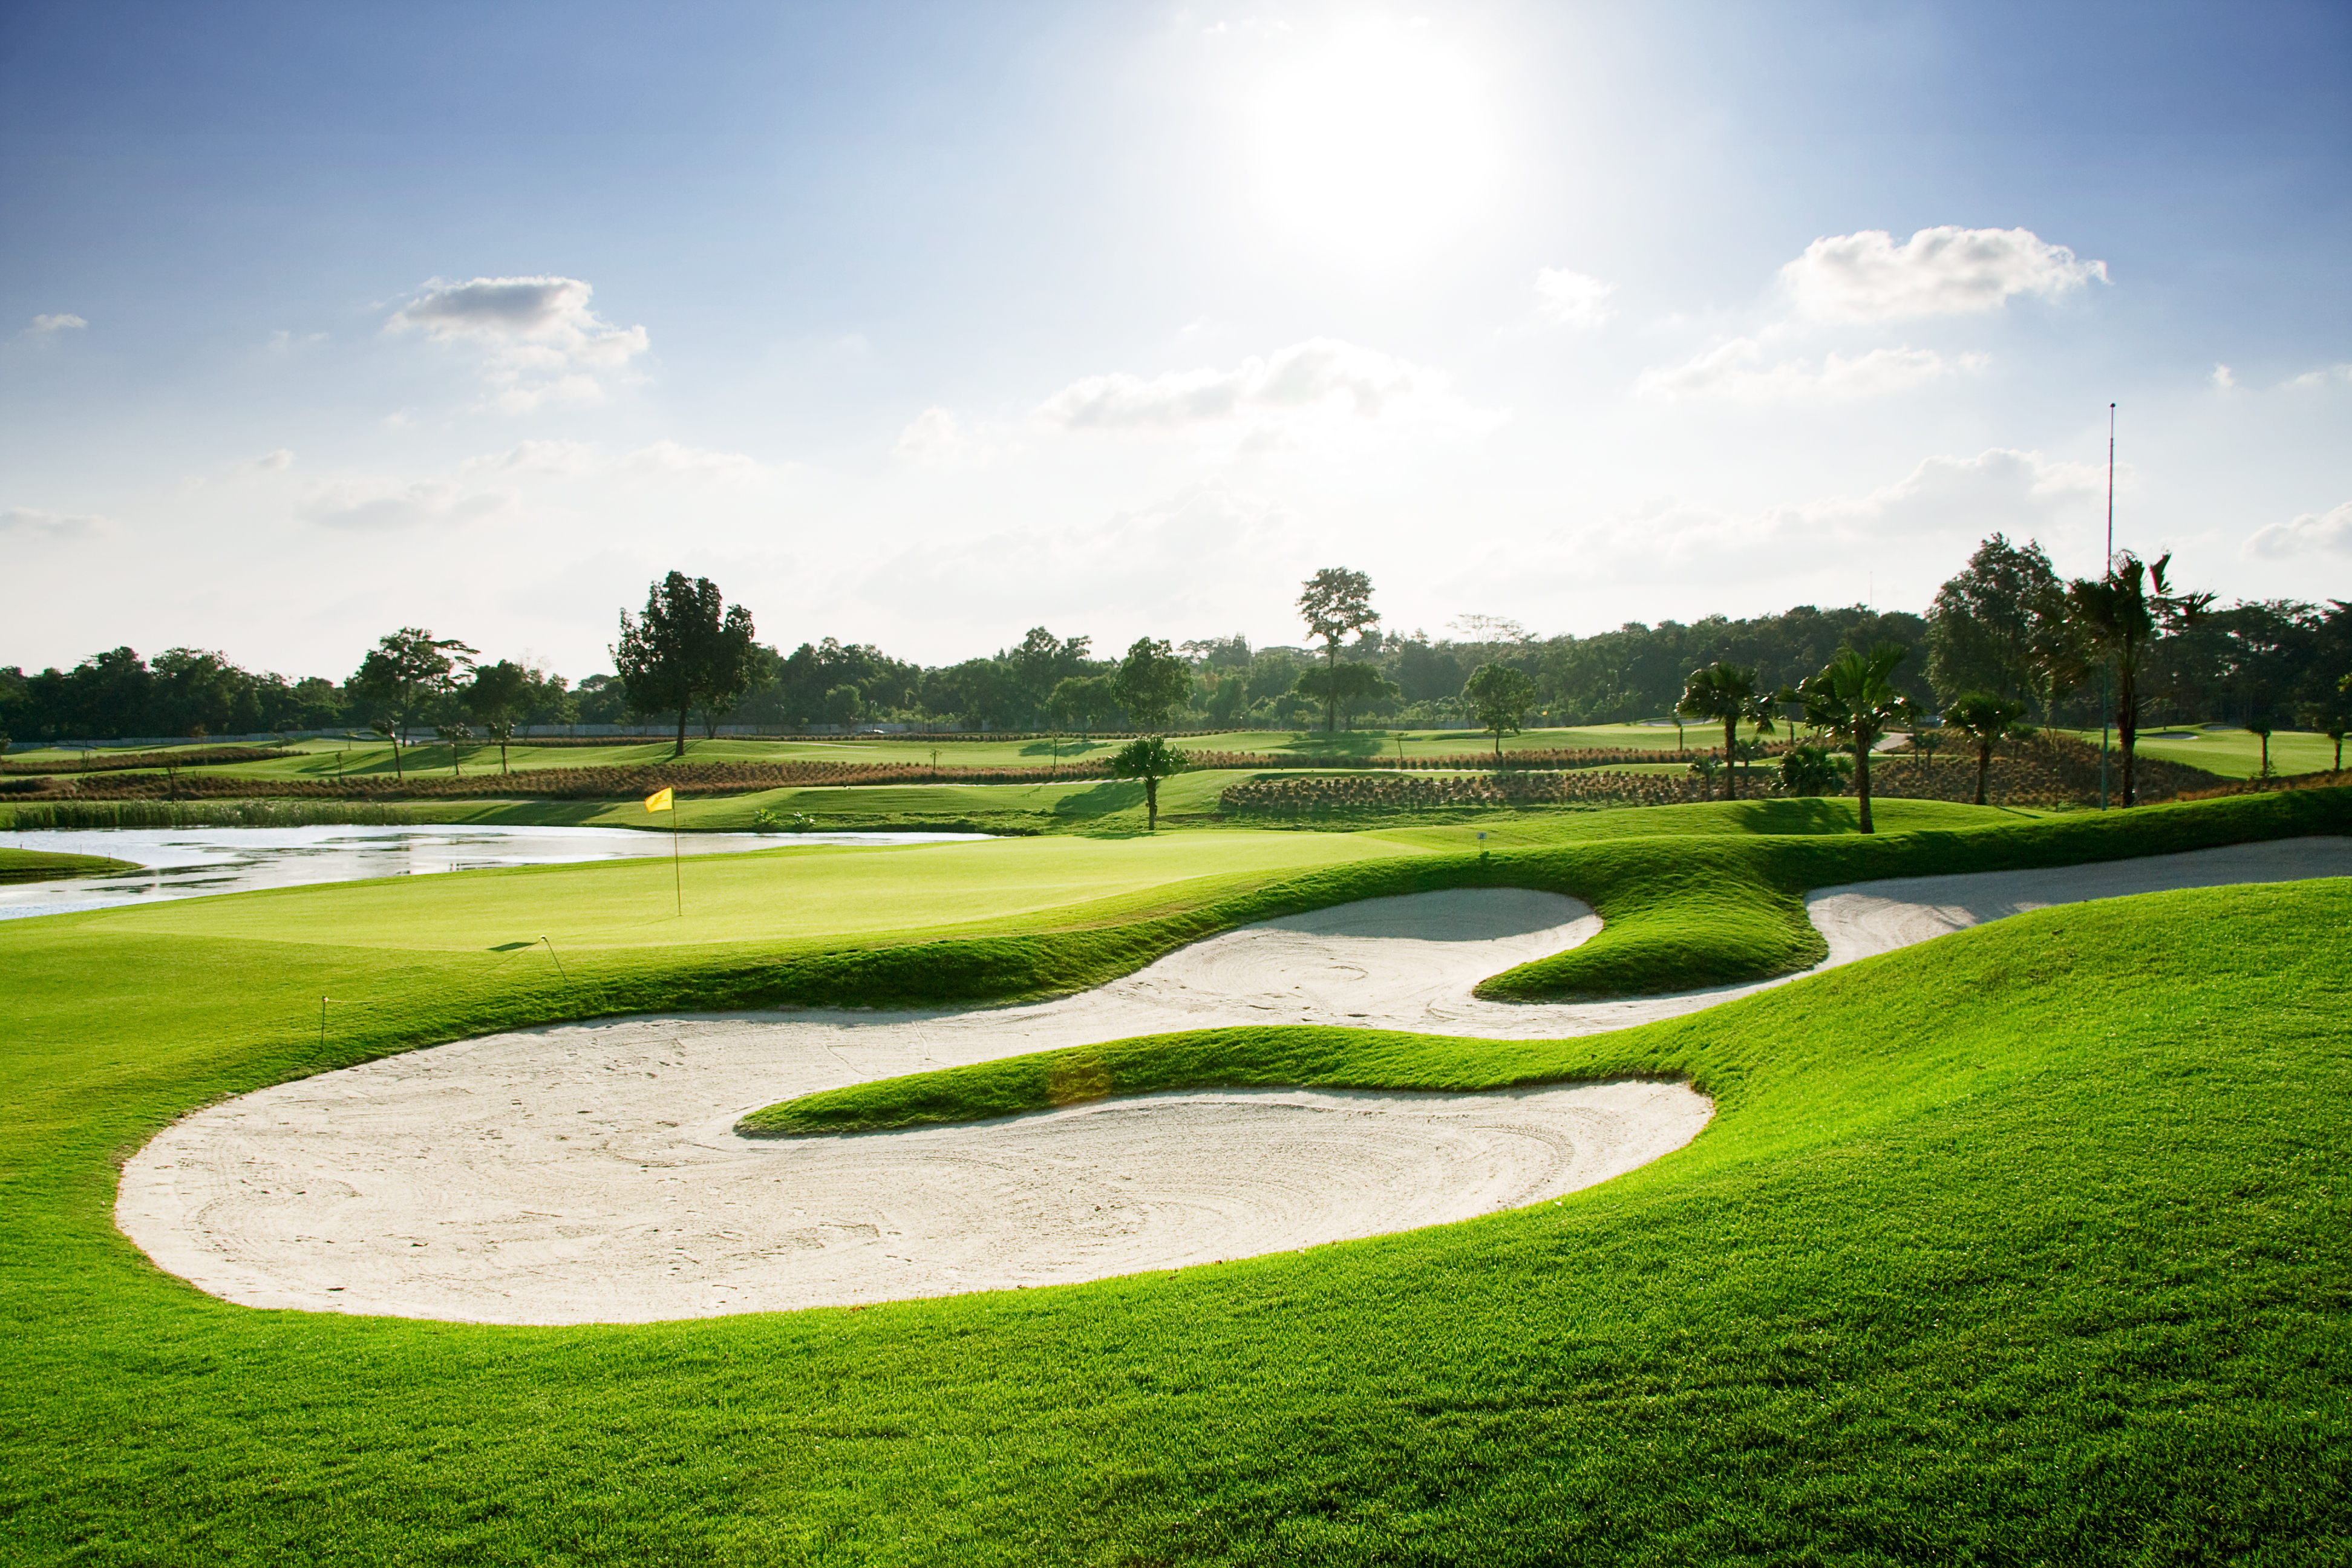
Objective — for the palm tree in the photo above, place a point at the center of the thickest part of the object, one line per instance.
(2118, 618)
(1853, 700)
(1986, 720)
(1726, 694)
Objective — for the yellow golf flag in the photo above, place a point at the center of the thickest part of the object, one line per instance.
(659, 801)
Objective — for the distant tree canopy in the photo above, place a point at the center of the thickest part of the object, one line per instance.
(1152, 683)
(2277, 661)
(690, 648)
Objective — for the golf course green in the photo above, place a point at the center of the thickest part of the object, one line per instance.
(2026, 1243)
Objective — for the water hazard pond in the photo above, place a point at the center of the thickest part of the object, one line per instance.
(193, 862)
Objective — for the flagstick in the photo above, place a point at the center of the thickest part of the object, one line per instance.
(676, 875)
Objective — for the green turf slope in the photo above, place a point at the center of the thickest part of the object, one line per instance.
(45, 865)
(2025, 1244)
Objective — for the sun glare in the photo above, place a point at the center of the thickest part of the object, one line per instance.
(1376, 144)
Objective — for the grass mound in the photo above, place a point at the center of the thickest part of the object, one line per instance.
(45, 865)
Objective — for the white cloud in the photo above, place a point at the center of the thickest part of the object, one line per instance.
(1738, 370)
(1318, 396)
(1320, 373)
(50, 326)
(381, 506)
(1564, 299)
(1939, 271)
(2223, 379)
(25, 522)
(1173, 568)
(2328, 530)
(543, 342)
(2332, 375)
(937, 438)
(673, 460)
(281, 458)
(1945, 501)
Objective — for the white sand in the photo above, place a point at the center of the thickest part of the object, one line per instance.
(590, 1173)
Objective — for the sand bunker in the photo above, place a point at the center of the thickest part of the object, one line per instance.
(591, 1173)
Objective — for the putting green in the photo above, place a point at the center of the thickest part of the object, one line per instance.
(780, 897)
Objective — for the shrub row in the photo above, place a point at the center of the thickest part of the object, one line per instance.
(1324, 796)
(108, 761)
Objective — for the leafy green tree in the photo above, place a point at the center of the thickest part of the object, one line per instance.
(1083, 702)
(497, 695)
(1499, 698)
(1726, 694)
(1334, 603)
(1854, 700)
(1987, 718)
(689, 647)
(1152, 683)
(1983, 624)
(1345, 689)
(1151, 759)
(405, 673)
(2118, 617)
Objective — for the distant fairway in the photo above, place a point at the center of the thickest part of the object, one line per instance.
(2024, 1244)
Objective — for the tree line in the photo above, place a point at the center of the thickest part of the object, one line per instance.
(1998, 627)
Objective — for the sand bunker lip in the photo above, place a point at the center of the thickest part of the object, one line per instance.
(589, 1173)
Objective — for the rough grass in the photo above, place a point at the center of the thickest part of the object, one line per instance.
(2026, 1245)
(45, 865)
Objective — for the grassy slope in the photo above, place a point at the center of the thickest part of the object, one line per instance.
(2028, 1244)
(2238, 753)
(41, 865)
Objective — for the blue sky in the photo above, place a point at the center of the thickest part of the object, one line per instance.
(924, 324)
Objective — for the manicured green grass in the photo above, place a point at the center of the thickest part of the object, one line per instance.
(329, 759)
(2026, 1245)
(2235, 754)
(42, 866)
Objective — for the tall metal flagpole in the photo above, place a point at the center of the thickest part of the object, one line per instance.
(2108, 570)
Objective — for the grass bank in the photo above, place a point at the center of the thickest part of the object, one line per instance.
(43, 866)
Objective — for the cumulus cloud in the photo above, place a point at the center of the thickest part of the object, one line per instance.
(379, 506)
(1165, 565)
(50, 326)
(542, 341)
(2334, 376)
(2224, 380)
(1738, 370)
(1941, 271)
(2313, 533)
(937, 438)
(26, 522)
(675, 460)
(1321, 374)
(279, 459)
(1947, 502)
(1564, 299)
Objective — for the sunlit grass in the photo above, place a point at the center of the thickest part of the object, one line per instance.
(2025, 1244)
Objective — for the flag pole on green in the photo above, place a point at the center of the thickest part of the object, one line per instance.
(666, 800)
